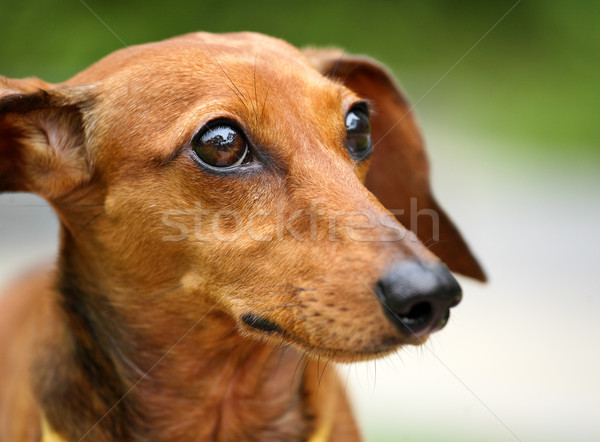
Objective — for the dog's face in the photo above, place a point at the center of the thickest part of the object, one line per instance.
(231, 170)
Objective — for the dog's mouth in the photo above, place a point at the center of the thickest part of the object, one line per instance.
(376, 348)
(261, 323)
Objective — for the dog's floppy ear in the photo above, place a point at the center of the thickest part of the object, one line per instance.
(41, 137)
(398, 172)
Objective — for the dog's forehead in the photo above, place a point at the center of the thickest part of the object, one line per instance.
(172, 86)
(193, 56)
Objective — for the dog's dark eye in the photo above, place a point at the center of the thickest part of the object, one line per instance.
(221, 146)
(358, 130)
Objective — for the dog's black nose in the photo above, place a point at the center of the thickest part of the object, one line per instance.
(417, 297)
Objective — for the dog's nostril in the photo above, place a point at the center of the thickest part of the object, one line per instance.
(418, 312)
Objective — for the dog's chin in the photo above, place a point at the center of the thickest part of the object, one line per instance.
(349, 355)
(357, 354)
(336, 353)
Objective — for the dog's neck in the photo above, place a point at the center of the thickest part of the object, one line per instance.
(159, 377)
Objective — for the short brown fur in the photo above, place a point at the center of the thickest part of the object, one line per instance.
(138, 333)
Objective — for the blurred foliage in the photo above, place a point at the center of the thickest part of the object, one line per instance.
(532, 80)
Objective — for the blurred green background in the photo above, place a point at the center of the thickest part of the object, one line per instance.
(534, 77)
(509, 109)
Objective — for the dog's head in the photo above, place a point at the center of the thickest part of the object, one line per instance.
(285, 190)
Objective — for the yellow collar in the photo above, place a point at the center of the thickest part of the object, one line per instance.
(327, 410)
(48, 434)
(322, 432)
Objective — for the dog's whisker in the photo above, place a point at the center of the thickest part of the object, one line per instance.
(302, 357)
(303, 376)
(282, 348)
(279, 307)
(255, 104)
(264, 103)
(337, 65)
(237, 91)
(318, 372)
(322, 374)
(375, 376)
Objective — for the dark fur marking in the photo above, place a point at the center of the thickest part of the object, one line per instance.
(88, 366)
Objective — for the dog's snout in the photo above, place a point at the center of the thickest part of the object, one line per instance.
(417, 297)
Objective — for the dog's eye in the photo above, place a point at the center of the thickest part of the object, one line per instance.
(220, 146)
(358, 130)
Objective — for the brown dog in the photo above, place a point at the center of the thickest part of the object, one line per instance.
(224, 232)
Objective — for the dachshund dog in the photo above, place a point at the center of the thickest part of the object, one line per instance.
(235, 213)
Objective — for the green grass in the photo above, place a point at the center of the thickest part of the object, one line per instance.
(533, 78)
